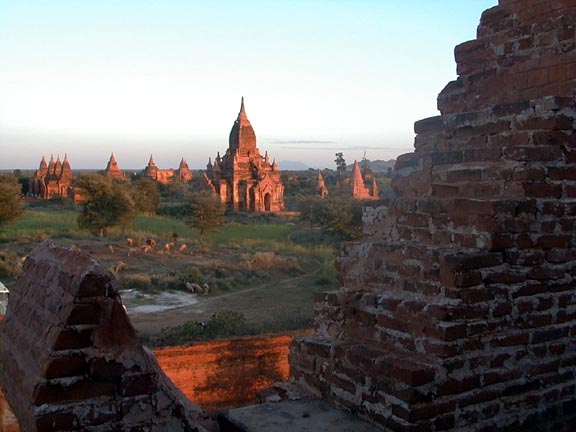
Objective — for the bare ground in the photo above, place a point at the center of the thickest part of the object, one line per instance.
(150, 313)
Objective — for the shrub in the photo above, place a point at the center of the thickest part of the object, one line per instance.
(225, 324)
(10, 265)
(140, 282)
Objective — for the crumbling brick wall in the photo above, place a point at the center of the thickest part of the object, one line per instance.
(458, 310)
(71, 360)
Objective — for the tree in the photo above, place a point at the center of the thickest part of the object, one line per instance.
(365, 167)
(207, 213)
(145, 195)
(340, 166)
(10, 202)
(339, 216)
(106, 203)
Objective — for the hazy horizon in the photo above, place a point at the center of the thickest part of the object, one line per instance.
(141, 78)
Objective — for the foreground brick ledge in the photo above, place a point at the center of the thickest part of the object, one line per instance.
(72, 360)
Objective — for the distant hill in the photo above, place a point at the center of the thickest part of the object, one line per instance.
(381, 165)
(377, 166)
(292, 166)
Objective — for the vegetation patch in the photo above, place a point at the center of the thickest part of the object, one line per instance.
(224, 325)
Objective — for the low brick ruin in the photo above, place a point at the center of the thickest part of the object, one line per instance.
(458, 310)
(71, 360)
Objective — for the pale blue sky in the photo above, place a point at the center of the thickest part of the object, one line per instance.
(165, 77)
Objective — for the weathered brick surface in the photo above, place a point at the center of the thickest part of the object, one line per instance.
(458, 309)
(72, 361)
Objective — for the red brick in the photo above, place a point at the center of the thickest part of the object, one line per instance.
(510, 340)
(559, 122)
(432, 124)
(84, 314)
(78, 391)
(543, 190)
(59, 367)
(56, 422)
(455, 386)
(141, 384)
(471, 261)
(73, 339)
(100, 368)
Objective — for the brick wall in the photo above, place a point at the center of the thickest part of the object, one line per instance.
(71, 360)
(458, 309)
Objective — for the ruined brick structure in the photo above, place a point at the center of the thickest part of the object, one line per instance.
(166, 176)
(71, 360)
(113, 170)
(458, 310)
(244, 179)
(51, 180)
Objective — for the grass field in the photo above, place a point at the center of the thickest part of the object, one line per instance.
(267, 271)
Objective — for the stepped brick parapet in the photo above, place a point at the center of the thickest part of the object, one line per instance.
(458, 309)
(71, 360)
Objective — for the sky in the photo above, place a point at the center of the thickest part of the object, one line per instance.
(165, 77)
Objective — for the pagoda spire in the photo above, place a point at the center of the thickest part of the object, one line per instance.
(151, 161)
(242, 114)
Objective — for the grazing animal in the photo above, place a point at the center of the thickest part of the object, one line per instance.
(168, 247)
(151, 242)
(129, 241)
(120, 266)
(132, 250)
(193, 288)
(182, 247)
(146, 249)
(205, 288)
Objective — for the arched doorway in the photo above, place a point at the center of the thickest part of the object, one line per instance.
(252, 198)
(267, 202)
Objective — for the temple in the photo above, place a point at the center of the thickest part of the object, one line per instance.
(321, 188)
(112, 169)
(166, 176)
(358, 188)
(244, 179)
(51, 180)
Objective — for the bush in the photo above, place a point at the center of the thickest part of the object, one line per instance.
(138, 282)
(225, 324)
(10, 265)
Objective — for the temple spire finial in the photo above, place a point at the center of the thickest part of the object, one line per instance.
(242, 113)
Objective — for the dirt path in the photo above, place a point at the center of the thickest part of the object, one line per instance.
(260, 302)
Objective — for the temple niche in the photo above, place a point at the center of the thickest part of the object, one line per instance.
(51, 180)
(244, 179)
(166, 176)
(112, 169)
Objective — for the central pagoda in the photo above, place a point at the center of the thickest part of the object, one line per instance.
(243, 178)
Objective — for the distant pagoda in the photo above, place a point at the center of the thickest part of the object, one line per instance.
(167, 176)
(358, 188)
(51, 179)
(112, 169)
